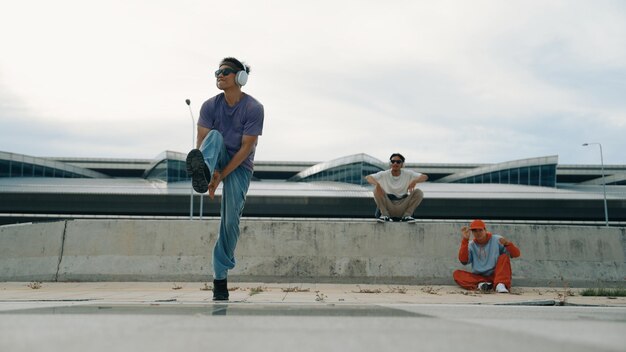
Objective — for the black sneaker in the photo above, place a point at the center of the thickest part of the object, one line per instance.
(199, 172)
(485, 286)
(409, 219)
(220, 290)
(383, 218)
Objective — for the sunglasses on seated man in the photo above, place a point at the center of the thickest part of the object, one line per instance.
(396, 161)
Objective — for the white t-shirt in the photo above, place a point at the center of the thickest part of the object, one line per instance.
(397, 185)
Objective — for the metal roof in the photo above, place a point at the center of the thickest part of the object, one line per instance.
(303, 189)
(608, 179)
(51, 164)
(346, 160)
(546, 160)
(289, 168)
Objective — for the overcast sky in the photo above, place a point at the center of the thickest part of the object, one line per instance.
(439, 81)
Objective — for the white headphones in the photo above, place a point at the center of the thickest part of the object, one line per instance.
(242, 76)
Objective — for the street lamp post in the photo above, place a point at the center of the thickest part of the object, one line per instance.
(193, 134)
(606, 210)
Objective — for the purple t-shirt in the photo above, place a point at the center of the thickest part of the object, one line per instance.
(245, 118)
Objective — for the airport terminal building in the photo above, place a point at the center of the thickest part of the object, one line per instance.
(535, 189)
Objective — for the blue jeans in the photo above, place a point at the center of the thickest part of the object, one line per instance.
(234, 190)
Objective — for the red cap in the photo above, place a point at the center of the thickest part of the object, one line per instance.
(477, 224)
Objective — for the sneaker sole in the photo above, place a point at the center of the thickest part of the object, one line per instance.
(196, 168)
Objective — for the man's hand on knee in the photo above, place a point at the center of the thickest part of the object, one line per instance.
(215, 181)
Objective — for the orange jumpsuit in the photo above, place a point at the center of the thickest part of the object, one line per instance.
(501, 274)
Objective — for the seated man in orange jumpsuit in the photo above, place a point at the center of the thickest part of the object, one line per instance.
(490, 256)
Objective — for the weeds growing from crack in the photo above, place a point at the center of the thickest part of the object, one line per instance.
(367, 290)
(320, 297)
(256, 290)
(401, 290)
(295, 289)
(561, 296)
(430, 290)
(604, 292)
(35, 285)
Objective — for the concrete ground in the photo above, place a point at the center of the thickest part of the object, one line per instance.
(250, 292)
(159, 316)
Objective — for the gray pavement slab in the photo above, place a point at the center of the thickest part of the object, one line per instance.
(163, 316)
(256, 292)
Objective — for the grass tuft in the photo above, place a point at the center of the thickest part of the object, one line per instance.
(256, 290)
(35, 285)
(320, 297)
(398, 289)
(367, 290)
(295, 289)
(604, 292)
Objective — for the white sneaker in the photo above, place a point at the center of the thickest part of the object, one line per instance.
(500, 288)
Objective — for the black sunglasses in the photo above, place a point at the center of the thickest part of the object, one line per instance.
(224, 71)
(396, 161)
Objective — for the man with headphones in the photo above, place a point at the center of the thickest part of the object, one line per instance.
(228, 129)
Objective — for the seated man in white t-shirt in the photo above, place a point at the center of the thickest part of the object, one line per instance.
(395, 193)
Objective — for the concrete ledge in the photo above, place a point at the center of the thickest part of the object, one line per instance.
(31, 252)
(359, 251)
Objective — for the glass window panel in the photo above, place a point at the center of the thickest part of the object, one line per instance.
(504, 176)
(159, 172)
(534, 175)
(5, 168)
(16, 169)
(38, 171)
(495, 177)
(523, 176)
(548, 173)
(27, 170)
(514, 176)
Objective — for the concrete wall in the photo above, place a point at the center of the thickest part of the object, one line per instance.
(300, 251)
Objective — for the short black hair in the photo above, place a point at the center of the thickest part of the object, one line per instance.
(238, 64)
(398, 155)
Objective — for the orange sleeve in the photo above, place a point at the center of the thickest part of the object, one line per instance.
(464, 251)
(513, 250)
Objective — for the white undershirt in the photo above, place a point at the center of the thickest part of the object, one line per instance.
(396, 185)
